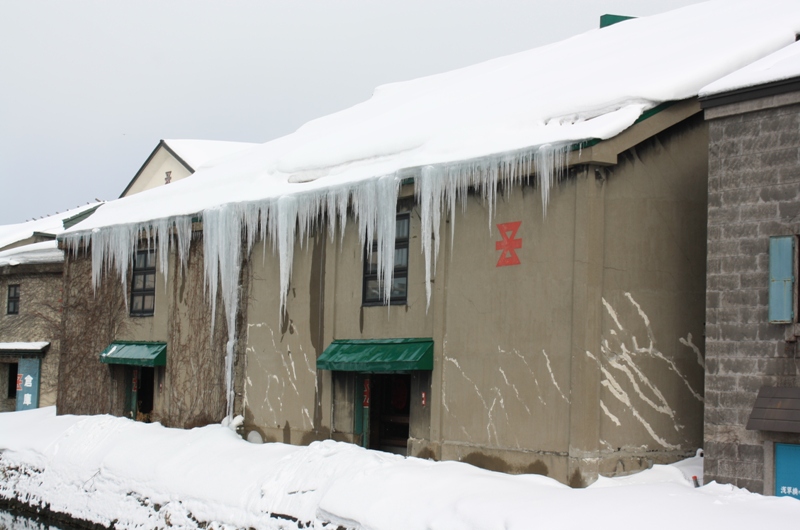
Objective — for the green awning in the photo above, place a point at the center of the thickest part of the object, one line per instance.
(135, 353)
(377, 355)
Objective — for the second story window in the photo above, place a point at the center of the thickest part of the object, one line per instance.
(373, 289)
(13, 300)
(143, 293)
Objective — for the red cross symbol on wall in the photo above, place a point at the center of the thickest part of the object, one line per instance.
(509, 244)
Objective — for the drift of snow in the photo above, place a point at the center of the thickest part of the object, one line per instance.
(781, 65)
(493, 123)
(104, 469)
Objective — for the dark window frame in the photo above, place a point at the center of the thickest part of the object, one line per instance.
(12, 306)
(400, 243)
(11, 391)
(140, 294)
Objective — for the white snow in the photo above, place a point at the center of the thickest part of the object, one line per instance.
(198, 153)
(781, 65)
(494, 122)
(52, 224)
(23, 346)
(35, 253)
(104, 468)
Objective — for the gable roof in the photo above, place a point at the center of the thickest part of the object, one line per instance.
(192, 154)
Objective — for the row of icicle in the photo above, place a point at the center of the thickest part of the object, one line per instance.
(232, 229)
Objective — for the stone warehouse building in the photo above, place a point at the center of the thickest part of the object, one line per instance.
(752, 417)
(475, 266)
(30, 315)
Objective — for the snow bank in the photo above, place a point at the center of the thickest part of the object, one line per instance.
(104, 469)
(44, 252)
(493, 123)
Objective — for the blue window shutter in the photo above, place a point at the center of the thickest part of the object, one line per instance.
(781, 279)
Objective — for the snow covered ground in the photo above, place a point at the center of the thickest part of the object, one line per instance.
(112, 470)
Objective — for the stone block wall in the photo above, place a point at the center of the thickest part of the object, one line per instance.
(754, 193)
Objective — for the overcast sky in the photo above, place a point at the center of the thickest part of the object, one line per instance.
(87, 89)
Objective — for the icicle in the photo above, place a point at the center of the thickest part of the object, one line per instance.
(222, 245)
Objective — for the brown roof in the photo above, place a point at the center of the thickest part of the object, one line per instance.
(776, 409)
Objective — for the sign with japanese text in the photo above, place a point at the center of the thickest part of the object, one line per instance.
(28, 384)
(787, 470)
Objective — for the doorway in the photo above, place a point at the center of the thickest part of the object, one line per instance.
(139, 392)
(389, 412)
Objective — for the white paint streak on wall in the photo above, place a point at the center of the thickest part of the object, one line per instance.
(613, 315)
(651, 350)
(608, 413)
(553, 377)
(533, 374)
(618, 392)
(514, 388)
(689, 344)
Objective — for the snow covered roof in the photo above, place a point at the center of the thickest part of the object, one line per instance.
(53, 224)
(591, 86)
(23, 347)
(35, 253)
(779, 66)
(197, 153)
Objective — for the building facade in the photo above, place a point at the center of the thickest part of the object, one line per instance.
(752, 417)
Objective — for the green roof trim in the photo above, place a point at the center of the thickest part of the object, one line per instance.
(135, 353)
(69, 222)
(610, 20)
(377, 355)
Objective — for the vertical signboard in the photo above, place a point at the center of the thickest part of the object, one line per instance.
(787, 470)
(28, 384)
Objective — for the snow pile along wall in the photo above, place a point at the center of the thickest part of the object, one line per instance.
(489, 124)
(126, 474)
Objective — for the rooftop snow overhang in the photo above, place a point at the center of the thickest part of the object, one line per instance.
(135, 353)
(776, 409)
(377, 355)
(652, 122)
(23, 349)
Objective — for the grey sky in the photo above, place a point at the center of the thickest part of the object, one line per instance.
(88, 88)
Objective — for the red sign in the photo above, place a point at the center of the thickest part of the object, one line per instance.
(424, 398)
(135, 380)
(509, 244)
(19, 382)
(366, 393)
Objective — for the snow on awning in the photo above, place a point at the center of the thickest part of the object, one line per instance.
(15, 349)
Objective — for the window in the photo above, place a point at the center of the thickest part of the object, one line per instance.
(781, 279)
(13, 300)
(372, 289)
(143, 293)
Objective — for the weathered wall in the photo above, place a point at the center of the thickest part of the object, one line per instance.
(190, 390)
(585, 358)
(754, 193)
(39, 320)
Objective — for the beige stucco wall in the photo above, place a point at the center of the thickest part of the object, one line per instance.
(585, 358)
(38, 320)
(153, 174)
